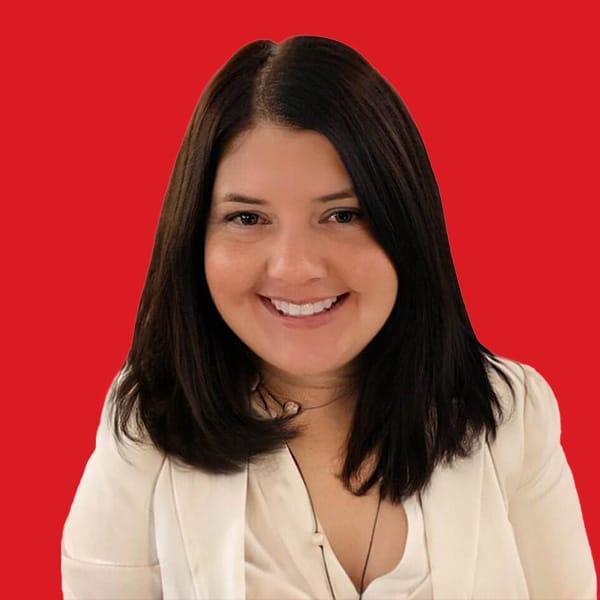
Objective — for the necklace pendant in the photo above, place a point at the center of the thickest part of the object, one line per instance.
(291, 408)
(317, 539)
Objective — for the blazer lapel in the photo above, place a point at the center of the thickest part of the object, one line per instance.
(451, 511)
(210, 513)
(212, 520)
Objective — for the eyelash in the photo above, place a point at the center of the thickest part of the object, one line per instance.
(233, 218)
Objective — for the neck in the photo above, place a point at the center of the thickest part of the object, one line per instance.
(327, 401)
(309, 390)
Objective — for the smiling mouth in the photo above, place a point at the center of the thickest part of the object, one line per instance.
(289, 309)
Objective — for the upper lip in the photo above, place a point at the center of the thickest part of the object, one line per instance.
(304, 300)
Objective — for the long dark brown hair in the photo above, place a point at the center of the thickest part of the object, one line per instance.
(424, 390)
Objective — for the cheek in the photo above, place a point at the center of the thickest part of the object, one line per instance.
(374, 273)
(229, 272)
(217, 268)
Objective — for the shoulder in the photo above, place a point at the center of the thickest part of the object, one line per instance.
(111, 515)
(529, 398)
(529, 431)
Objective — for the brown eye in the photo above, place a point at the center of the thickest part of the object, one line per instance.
(248, 219)
(344, 216)
(244, 218)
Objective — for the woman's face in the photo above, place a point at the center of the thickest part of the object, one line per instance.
(291, 265)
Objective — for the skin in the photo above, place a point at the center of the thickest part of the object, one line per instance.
(293, 245)
(296, 247)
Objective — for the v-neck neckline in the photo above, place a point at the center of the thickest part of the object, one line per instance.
(286, 477)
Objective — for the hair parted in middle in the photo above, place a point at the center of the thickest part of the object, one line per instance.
(424, 390)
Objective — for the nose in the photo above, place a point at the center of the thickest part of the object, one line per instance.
(297, 257)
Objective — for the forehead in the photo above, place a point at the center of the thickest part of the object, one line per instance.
(271, 157)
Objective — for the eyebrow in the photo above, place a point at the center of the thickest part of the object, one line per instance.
(235, 197)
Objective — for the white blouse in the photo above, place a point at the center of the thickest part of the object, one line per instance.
(284, 563)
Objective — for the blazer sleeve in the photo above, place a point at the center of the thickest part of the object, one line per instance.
(108, 550)
(544, 510)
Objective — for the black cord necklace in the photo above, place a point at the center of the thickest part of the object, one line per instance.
(292, 407)
(318, 535)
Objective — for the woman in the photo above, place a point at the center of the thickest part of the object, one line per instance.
(305, 411)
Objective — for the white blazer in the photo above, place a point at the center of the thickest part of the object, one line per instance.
(503, 524)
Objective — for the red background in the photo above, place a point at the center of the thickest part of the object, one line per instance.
(96, 99)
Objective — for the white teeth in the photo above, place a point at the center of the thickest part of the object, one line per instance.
(307, 309)
(296, 310)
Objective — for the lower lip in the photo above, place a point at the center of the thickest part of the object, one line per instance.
(306, 321)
